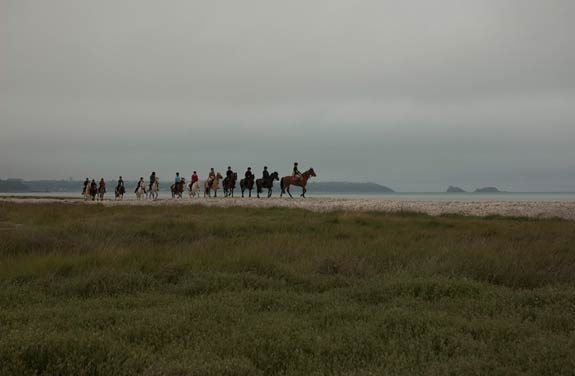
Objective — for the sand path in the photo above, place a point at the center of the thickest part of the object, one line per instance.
(533, 209)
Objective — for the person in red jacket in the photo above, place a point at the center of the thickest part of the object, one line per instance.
(194, 179)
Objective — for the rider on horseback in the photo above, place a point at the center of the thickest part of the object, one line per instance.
(249, 175)
(211, 177)
(86, 182)
(93, 187)
(152, 179)
(266, 173)
(229, 175)
(194, 178)
(140, 184)
(178, 178)
(120, 187)
(296, 172)
(102, 187)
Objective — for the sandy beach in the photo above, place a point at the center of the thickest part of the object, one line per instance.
(532, 209)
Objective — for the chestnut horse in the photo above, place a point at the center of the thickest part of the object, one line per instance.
(300, 181)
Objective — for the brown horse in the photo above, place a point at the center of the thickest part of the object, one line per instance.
(178, 189)
(300, 181)
(230, 184)
(266, 183)
(247, 183)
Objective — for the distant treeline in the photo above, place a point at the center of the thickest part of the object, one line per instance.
(13, 185)
(347, 187)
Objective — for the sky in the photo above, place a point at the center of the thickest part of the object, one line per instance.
(415, 95)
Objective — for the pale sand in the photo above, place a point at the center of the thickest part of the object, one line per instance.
(533, 209)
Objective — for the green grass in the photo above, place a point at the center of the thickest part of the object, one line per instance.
(87, 289)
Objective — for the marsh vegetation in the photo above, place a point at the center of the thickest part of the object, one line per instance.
(89, 289)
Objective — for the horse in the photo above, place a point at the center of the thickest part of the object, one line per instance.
(119, 191)
(154, 188)
(213, 187)
(247, 184)
(266, 183)
(86, 192)
(300, 181)
(194, 189)
(140, 191)
(230, 185)
(178, 188)
(101, 192)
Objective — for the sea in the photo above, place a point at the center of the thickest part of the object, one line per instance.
(404, 196)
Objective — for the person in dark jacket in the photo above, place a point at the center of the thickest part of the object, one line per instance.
(265, 173)
(249, 174)
(152, 180)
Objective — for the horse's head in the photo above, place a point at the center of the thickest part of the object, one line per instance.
(235, 175)
(219, 176)
(311, 172)
(275, 176)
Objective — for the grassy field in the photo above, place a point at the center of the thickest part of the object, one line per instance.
(86, 289)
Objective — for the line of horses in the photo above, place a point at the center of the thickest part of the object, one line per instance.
(228, 185)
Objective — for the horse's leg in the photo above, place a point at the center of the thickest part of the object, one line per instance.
(289, 193)
(303, 191)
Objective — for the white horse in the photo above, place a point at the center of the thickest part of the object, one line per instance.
(153, 193)
(213, 187)
(194, 189)
(140, 192)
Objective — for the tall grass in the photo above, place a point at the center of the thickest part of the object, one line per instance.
(87, 289)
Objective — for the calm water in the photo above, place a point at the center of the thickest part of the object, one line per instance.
(386, 196)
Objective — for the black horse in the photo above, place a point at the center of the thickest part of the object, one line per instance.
(247, 184)
(229, 184)
(267, 183)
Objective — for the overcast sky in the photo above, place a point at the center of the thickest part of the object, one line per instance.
(416, 95)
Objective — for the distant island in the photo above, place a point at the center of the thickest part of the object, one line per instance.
(453, 189)
(487, 190)
(347, 187)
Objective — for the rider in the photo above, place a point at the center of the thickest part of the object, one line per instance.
(93, 186)
(152, 179)
(178, 178)
(265, 174)
(211, 177)
(120, 185)
(86, 182)
(296, 172)
(229, 175)
(194, 179)
(102, 187)
(140, 184)
(249, 175)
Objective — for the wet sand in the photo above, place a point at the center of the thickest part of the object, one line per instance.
(532, 209)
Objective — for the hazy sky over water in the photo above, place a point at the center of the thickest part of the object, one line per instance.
(416, 95)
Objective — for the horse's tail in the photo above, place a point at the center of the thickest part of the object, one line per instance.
(282, 184)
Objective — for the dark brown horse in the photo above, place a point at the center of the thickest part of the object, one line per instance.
(178, 188)
(247, 184)
(300, 181)
(267, 183)
(230, 185)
